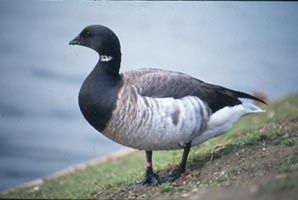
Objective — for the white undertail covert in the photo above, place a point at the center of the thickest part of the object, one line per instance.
(222, 121)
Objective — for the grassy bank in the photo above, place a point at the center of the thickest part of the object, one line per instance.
(261, 146)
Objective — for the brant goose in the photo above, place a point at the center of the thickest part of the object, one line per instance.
(153, 109)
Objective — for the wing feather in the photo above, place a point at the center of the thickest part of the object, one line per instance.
(162, 84)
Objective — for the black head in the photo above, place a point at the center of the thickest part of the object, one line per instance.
(100, 38)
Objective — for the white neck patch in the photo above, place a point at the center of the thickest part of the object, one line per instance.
(105, 58)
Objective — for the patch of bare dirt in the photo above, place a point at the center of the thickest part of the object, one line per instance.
(271, 187)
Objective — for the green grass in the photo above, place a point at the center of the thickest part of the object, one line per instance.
(112, 175)
(286, 164)
(226, 176)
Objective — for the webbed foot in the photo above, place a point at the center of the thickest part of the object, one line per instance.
(149, 180)
(171, 178)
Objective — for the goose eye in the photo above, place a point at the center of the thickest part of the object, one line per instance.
(86, 34)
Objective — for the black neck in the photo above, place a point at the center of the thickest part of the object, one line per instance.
(98, 94)
(109, 69)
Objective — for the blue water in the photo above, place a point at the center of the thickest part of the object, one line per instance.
(245, 46)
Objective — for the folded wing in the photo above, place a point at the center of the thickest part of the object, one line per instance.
(162, 84)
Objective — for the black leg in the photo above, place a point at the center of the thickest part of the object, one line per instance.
(151, 179)
(181, 169)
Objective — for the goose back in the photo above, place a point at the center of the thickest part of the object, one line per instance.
(162, 83)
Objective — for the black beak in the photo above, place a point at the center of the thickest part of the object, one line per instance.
(75, 41)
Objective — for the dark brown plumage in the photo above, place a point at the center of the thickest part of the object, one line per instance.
(161, 83)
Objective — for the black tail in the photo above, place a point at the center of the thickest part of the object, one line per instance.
(247, 96)
(227, 97)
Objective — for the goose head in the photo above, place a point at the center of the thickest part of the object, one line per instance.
(101, 39)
